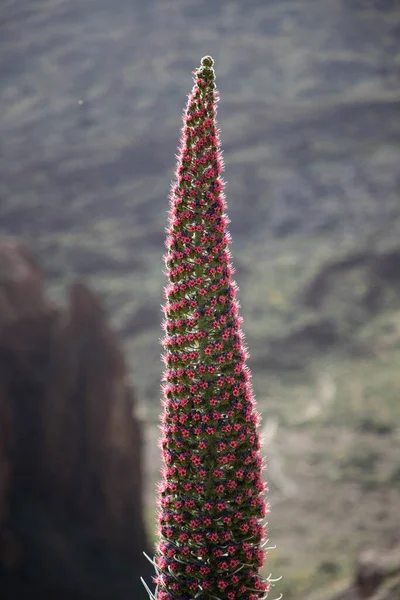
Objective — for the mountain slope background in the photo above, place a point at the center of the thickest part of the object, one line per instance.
(92, 94)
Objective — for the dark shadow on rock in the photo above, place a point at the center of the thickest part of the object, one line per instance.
(71, 513)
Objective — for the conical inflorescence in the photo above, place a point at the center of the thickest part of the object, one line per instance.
(211, 498)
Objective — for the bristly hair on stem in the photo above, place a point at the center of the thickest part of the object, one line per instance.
(211, 502)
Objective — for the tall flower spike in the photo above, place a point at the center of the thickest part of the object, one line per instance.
(211, 504)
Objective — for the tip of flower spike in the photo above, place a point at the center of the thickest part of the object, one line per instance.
(206, 72)
(207, 61)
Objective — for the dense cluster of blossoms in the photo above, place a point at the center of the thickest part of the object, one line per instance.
(211, 497)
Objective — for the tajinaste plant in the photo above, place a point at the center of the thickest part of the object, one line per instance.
(211, 499)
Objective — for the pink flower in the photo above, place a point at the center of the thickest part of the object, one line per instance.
(204, 358)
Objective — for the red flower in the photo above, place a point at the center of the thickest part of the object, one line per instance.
(209, 455)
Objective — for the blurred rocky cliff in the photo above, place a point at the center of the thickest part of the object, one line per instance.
(377, 577)
(71, 524)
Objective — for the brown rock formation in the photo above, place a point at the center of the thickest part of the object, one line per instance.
(71, 521)
(377, 577)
